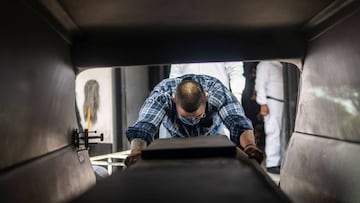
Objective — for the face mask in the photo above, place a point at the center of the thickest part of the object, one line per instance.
(191, 122)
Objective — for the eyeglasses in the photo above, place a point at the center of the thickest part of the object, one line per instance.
(191, 121)
(194, 118)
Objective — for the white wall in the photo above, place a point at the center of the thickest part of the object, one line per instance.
(104, 123)
(135, 87)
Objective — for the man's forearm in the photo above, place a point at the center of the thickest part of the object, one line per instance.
(247, 142)
(247, 138)
(137, 143)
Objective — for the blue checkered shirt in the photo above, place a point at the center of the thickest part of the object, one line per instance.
(222, 106)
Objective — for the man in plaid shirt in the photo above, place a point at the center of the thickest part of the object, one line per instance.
(192, 105)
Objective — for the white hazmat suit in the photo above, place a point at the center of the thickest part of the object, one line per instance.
(229, 73)
(270, 91)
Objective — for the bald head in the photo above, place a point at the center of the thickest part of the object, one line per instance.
(189, 95)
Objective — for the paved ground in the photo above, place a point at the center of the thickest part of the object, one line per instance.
(274, 177)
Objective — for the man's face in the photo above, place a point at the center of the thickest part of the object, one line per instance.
(198, 114)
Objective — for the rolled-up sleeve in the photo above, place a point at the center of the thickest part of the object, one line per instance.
(150, 117)
(235, 120)
(230, 112)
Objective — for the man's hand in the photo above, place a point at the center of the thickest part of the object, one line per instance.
(133, 157)
(136, 145)
(264, 109)
(254, 152)
(247, 141)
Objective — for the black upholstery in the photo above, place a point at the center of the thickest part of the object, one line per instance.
(206, 179)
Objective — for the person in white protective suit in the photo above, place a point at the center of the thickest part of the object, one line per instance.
(229, 73)
(270, 96)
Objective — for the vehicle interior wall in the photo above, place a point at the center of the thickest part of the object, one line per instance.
(168, 46)
(322, 161)
(38, 163)
(291, 76)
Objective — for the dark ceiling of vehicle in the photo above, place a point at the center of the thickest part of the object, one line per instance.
(125, 26)
(95, 14)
